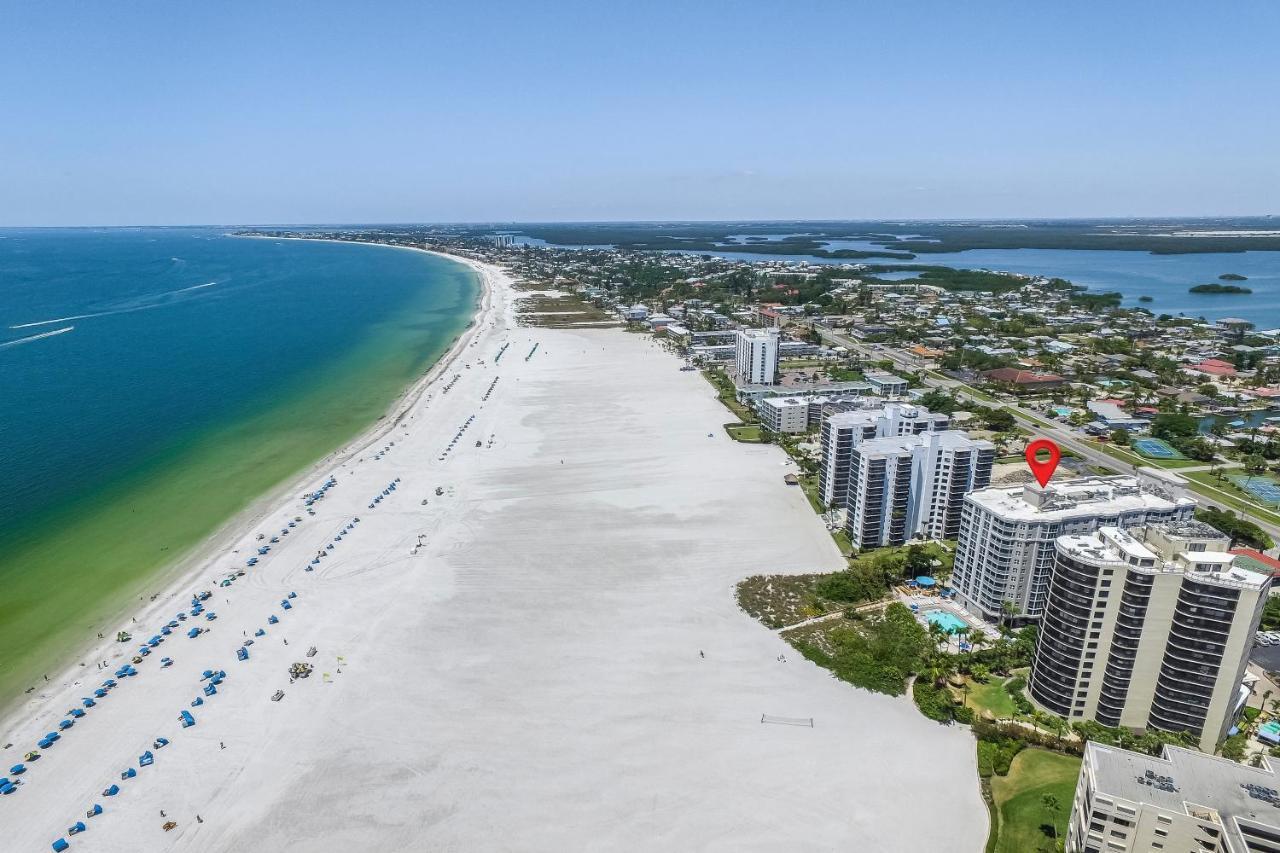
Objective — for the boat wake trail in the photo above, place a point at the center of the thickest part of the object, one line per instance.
(146, 303)
(30, 338)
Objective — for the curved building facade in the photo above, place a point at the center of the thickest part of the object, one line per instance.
(1148, 628)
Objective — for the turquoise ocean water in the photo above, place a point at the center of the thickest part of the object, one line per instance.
(155, 381)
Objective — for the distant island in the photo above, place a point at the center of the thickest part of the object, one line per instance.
(1232, 276)
(1220, 288)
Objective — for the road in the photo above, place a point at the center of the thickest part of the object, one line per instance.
(1065, 437)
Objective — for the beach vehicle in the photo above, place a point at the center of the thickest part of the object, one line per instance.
(185, 718)
(146, 759)
(277, 696)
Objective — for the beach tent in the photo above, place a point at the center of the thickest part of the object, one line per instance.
(272, 620)
(95, 811)
(186, 719)
(76, 712)
(18, 769)
(112, 791)
(209, 690)
(146, 759)
(129, 774)
(926, 582)
(197, 703)
(193, 633)
(76, 827)
(60, 845)
(293, 595)
(242, 653)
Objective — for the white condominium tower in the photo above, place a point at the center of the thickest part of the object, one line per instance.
(757, 357)
(913, 485)
(842, 431)
(1007, 535)
(1149, 628)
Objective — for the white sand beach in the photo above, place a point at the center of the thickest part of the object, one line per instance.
(530, 678)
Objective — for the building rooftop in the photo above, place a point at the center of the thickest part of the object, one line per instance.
(1110, 495)
(1185, 781)
(947, 439)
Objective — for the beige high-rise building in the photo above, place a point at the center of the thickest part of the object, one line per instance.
(1148, 628)
(1180, 802)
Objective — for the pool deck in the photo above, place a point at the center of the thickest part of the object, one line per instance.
(934, 602)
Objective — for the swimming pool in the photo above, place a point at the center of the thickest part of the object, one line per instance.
(948, 621)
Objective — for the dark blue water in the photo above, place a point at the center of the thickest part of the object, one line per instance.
(116, 343)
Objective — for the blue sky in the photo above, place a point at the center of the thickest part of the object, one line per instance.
(224, 112)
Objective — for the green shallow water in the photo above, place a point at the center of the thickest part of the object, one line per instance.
(80, 565)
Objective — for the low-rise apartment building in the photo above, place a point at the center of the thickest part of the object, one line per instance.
(1182, 801)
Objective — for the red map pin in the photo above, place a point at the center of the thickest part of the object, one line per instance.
(1043, 469)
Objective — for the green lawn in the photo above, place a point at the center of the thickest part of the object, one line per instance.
(1019, 804)
(743, 432)
(991, 697)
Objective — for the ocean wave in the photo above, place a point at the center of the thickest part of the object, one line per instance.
(145, 303)
(30, 338)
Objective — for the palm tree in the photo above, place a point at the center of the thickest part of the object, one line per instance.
(1052, 806)
(1008, 609)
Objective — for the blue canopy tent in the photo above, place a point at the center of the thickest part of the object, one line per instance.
(272, 620)
(60, 845)
(197, 702)
(210, 689)
(95, 811)
(242, 653)
(88, 702)
(76, 712)
(146, 759)
(18, 769)
(76, 827)
(193, 633)
(129, 774)
(186, 719)
(111, 791)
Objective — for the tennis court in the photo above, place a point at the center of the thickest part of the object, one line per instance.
(1264, 489)
(1156, 448)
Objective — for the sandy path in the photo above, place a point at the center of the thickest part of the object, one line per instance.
(530, 678)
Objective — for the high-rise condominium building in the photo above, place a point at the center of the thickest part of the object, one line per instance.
(913, 485)
(842, 431)
(757, 356)
(1148, 628)
(1007, 534)
(1179, 802)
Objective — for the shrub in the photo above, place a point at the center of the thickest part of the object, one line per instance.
(934, 702)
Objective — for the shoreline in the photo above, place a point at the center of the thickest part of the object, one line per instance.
(159, 586)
